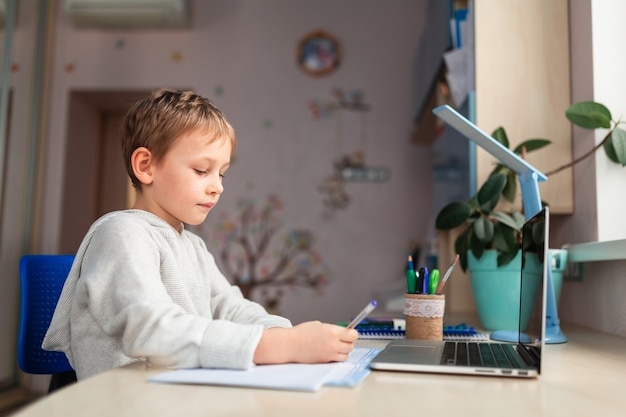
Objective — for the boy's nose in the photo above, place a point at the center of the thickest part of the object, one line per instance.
(215, 186)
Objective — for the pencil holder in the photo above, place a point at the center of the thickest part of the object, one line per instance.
(424, 316)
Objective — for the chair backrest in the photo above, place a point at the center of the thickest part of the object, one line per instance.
(41, 281)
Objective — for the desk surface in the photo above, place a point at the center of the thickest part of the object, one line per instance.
(583, 377)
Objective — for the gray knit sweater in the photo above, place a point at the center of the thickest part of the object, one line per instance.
(139, 290)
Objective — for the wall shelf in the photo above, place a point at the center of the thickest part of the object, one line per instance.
(611, 250)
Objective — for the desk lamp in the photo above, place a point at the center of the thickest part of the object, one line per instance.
(529, 178)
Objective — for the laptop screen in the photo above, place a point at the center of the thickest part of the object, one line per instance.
(533, 283)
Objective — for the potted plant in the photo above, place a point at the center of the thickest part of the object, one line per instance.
(488, 234)
(489, 247)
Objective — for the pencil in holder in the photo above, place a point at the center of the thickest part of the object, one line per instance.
(424, 316)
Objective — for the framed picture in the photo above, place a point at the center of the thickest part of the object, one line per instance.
(318, 53)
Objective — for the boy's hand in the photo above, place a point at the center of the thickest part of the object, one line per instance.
(309, 342)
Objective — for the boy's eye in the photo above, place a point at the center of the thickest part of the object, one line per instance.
(201, 171)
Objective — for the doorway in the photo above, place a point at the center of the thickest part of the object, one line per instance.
(95, 180)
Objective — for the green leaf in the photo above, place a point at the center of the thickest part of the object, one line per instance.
(520, 219)
(499, 168)
(506, 219)
(510, 190)
(476, 246)
(504, 239)
(461, 246)
(531, 145)
(618, 140)
(500, 136)
(589, 115)
(483, 229)
(452, 215)
(506, 257)
(609, 150)
(490, 192)
(473, 204)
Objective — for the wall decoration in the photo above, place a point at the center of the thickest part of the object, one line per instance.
(177, 56)
(365, 174)
(352, 100)
(262, 263)
(318, 53)
(120, 44)
(333, 187)
(321, 110)
(351, 166)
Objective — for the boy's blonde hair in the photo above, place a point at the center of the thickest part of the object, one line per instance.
(156, 121)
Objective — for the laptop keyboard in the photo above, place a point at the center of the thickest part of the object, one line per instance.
(494, 355)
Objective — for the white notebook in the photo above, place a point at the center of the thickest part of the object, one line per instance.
(292, 376)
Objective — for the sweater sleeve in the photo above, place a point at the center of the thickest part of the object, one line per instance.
(227, 302)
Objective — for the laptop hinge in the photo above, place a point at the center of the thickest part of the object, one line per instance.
(529, 354)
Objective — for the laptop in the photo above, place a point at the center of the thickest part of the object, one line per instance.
(520, 359)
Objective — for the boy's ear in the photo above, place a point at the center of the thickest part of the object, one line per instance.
(141, 160)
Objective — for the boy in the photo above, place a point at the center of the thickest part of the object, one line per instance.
(144, 288)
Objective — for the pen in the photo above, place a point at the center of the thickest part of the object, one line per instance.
(410, 277)
(368, 309)
(425, 281)
(447, 275)
(420, 280)
(433, 281)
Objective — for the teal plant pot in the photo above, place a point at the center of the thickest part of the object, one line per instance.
(497, 290)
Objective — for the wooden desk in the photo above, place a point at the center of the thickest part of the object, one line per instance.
(584, 377)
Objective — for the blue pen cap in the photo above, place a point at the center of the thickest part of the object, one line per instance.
(425, 281)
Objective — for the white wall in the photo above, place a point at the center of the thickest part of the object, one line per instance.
(241, 54)
(610, 89)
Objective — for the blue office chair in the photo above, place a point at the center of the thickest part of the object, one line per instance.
(41, 281)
